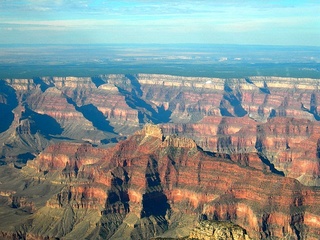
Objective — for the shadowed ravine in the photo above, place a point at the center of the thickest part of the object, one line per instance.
(91, 113)
(239, 150)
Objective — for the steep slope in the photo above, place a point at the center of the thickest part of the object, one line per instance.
(147, 186)
(268, 123)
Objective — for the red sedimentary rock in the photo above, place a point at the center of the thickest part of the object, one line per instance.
(177, 176)
(257, 130)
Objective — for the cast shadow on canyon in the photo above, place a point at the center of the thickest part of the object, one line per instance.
(92, 113)
(117, 203)
(260, 149)
(98, 120)
(145, 110)
(42, 123)
(43, 86)
(22, 159)
(8, 101)
(97, 81)
(154, 201)
(233, 98)
(6, 117)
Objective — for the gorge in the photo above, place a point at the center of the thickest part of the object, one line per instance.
(92, 156)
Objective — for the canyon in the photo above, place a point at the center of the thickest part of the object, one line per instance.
(93, 156)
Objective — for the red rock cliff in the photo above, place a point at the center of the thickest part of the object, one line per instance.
(148, 178)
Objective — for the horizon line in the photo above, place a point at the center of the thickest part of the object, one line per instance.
(153, 44)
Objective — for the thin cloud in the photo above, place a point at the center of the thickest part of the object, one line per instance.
(166, 20)
(60, 24)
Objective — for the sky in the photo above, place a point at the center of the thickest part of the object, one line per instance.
(258, 22)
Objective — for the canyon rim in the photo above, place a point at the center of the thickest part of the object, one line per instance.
(149, 155)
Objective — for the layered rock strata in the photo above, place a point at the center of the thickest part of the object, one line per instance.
(143, 186)
(208, 230)
(268, 123)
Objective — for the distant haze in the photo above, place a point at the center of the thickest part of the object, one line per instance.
(281, 22)
(224, 61)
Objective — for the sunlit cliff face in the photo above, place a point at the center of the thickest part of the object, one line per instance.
(261, 133)
(254, 118)
(154, 179)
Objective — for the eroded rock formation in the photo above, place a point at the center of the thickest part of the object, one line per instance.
(261, 135)
(143, 186)
(258, 121)
(210, 230)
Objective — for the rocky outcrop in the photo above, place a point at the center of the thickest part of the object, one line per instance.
(99, 96)
(151, 130)
(209, 230)
(144, 185)
(22, 203)
(233, 116)
(257, 121)
(178, 142)
(261, 122)
(261, 135)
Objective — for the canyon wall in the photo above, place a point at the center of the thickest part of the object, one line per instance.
(142, 187)
(242, 150)
(269, 123)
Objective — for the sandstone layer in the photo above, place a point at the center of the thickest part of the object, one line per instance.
(149, 186)
(262, 122)
(242, 150)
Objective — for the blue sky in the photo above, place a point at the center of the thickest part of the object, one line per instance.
(266, 22)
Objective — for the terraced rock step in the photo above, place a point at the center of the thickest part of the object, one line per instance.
(145, 187)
